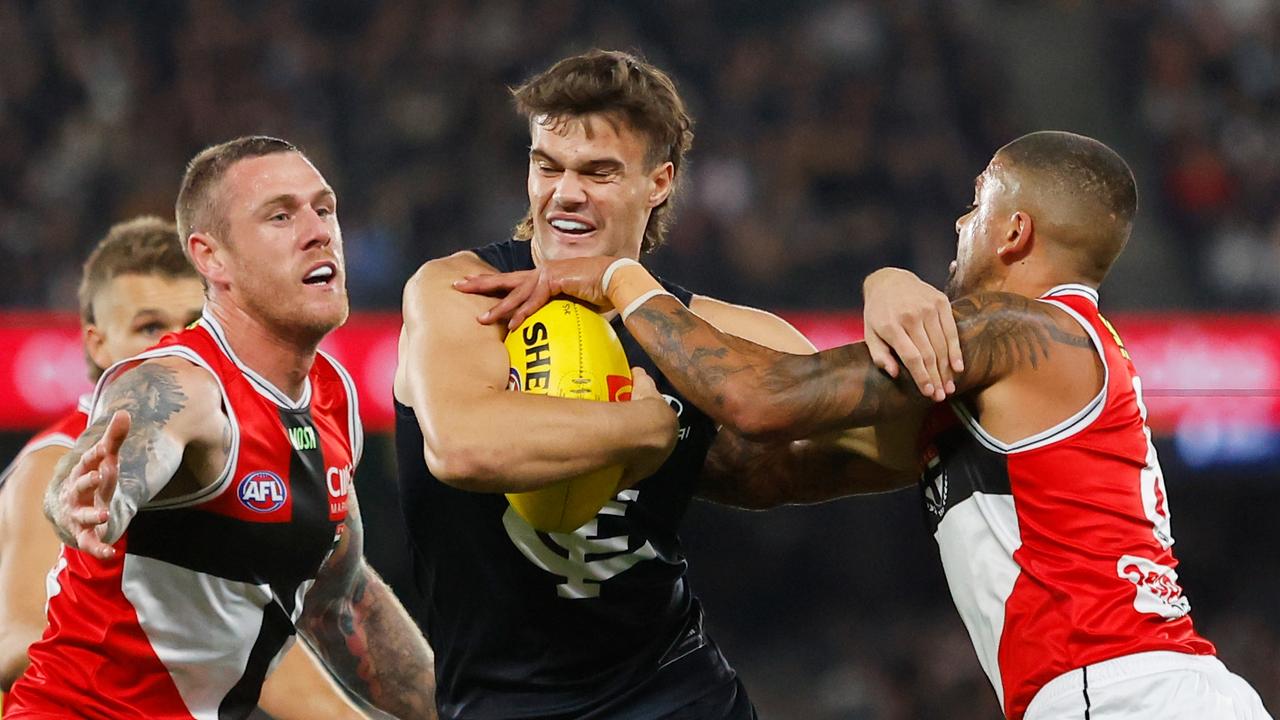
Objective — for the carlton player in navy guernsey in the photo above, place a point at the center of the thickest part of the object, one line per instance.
(1040, 481)
(601, 622)
(208, 510)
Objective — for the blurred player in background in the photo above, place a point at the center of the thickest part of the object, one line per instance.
(600, 623)
(1040, 481)
(208, 508)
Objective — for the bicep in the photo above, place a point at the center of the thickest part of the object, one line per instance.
(172, 404)
(448, 356)
(1002, 334)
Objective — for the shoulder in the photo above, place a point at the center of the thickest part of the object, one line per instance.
(160, 388)
(1001, 333)
(758, 326)
(449, 267)
(988, 313)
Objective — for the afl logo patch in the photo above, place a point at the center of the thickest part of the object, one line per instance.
(513, 380)
(262, 491)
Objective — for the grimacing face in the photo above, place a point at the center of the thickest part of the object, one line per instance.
(978, 232)
(590, 192)
(133, 311)
(283, 251)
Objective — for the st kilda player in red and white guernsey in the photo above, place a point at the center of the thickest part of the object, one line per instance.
(210, 514)
(1040, 482)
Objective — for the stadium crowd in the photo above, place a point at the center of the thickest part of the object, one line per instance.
(833, 137)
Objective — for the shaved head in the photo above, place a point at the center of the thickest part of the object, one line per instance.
(1081, 193)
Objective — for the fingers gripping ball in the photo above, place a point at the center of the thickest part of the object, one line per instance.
(567, 350)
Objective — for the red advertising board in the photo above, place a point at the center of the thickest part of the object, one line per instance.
(1200, 372)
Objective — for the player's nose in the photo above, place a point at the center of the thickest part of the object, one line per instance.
(570, 191)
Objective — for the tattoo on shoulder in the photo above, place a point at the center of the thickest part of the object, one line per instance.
(1000, 332)
(150, 392)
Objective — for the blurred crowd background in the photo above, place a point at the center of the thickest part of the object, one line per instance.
(833, 137)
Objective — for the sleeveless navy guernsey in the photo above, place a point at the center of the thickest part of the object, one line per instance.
(600, 623)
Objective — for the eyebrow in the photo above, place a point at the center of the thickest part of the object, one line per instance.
(289, 199)
(593, 164)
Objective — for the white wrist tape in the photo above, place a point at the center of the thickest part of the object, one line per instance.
(613, 267)
(635, 304)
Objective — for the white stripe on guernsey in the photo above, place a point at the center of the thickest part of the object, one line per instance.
(355, 429)
(977, 539)
(201, 627)
(256, 381)
(224, 478)
(1065, 429)
(1083, 291)
(84, 403)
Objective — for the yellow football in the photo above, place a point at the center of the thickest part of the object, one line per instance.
(568, 350)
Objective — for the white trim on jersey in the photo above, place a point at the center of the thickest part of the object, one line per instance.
(224, 477)
(355, 428)
(191, 620)
(1077, 289)
(256, 381)
(1073, 425)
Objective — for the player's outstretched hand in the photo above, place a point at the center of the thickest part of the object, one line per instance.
(906, 316)
(648, 462)
(527, 290)
(84, 500)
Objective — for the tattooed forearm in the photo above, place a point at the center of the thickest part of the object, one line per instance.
(372, 646)
(152, 395)
(762, 393)
(1001, 332)
(759, 476)
(362, 633)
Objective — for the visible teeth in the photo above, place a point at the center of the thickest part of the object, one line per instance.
(570, 225)
(324, 272)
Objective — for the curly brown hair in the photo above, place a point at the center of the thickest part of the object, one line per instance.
(622, 86)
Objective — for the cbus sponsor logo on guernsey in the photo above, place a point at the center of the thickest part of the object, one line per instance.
(338, 481)
(262, 491)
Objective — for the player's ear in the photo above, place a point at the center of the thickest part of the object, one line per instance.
(208, 257)
(95, 345)
(661, 183)
(1019, 235)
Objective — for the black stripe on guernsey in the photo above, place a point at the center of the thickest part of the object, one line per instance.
(963, 468)
(235, 549)
(241, 700)
(1085, 675)
(307, 480)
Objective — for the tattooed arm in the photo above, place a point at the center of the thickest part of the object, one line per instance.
(768, 395)
(358, 628)
(764, 475)
(148, 418)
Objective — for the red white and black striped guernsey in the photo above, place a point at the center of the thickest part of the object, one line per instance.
(62, 433)
(201, 599)
(1057, 548)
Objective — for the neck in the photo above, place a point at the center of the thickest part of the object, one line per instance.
(1031, 278)
(282, 360)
